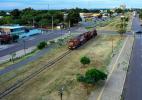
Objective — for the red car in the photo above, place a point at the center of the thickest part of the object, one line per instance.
(5, 38)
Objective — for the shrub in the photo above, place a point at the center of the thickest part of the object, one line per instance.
(60, 42)
(52, 42)
(92, 76)
(42, 45)
(85, 60)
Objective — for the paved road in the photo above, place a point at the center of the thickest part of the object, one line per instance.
(33, 41)
(25, 61)
(133, 83)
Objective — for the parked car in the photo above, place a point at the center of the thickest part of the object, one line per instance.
(7, 38)
(139, 32)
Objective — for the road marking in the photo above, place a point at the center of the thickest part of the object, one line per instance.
(101, 93)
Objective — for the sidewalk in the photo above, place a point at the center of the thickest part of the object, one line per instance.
(113, 87)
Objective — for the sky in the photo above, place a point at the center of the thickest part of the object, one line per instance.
(63, 4)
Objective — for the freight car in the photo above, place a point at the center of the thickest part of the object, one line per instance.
(81, 39)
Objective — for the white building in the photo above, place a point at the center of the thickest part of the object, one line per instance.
(1, 17)
(12, 29)
(21, 31)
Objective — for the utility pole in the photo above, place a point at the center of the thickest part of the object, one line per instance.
(112, 46)
(48, 7)
(13, 56)
(52, 23)
(69, 23)
(69, 27)
(41, 23)
(33, 22)
(61, 93)
(24, 47)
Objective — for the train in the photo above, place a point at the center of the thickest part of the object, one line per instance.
(7, 38)
(81, 39)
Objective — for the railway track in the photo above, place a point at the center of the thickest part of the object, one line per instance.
(32, 75)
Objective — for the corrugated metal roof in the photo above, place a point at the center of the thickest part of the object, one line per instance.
(11, 27)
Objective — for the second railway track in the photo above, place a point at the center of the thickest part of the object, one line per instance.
(32, 75)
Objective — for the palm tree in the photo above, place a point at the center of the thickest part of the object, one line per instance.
(121, 27)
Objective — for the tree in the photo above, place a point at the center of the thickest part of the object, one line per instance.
(85, 60)
(119, 10)
(92, 76)
(27, 16)
(42, 45)
(2, 21)
(7, 20)
(15, 13)
(140, 14)
(109, 12)
(73, 16)
(127, 19)
(2, 13)
(121, 27)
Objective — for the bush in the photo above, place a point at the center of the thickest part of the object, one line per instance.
(42, 45)
(127, 19)
(52, 42)
(92, 76)
(85, 60)
(60, 42)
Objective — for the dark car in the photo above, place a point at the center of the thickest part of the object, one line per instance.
(139, 32)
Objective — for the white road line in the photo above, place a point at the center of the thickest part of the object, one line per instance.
(113, 67)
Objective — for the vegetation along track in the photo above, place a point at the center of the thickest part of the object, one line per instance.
(32, 75)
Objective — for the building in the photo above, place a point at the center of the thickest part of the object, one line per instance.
(12, 29)
(21, 31)
(85, 16)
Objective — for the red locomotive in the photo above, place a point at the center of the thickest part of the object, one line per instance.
(81, 39)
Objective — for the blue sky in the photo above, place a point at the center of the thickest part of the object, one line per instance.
(59, 4)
